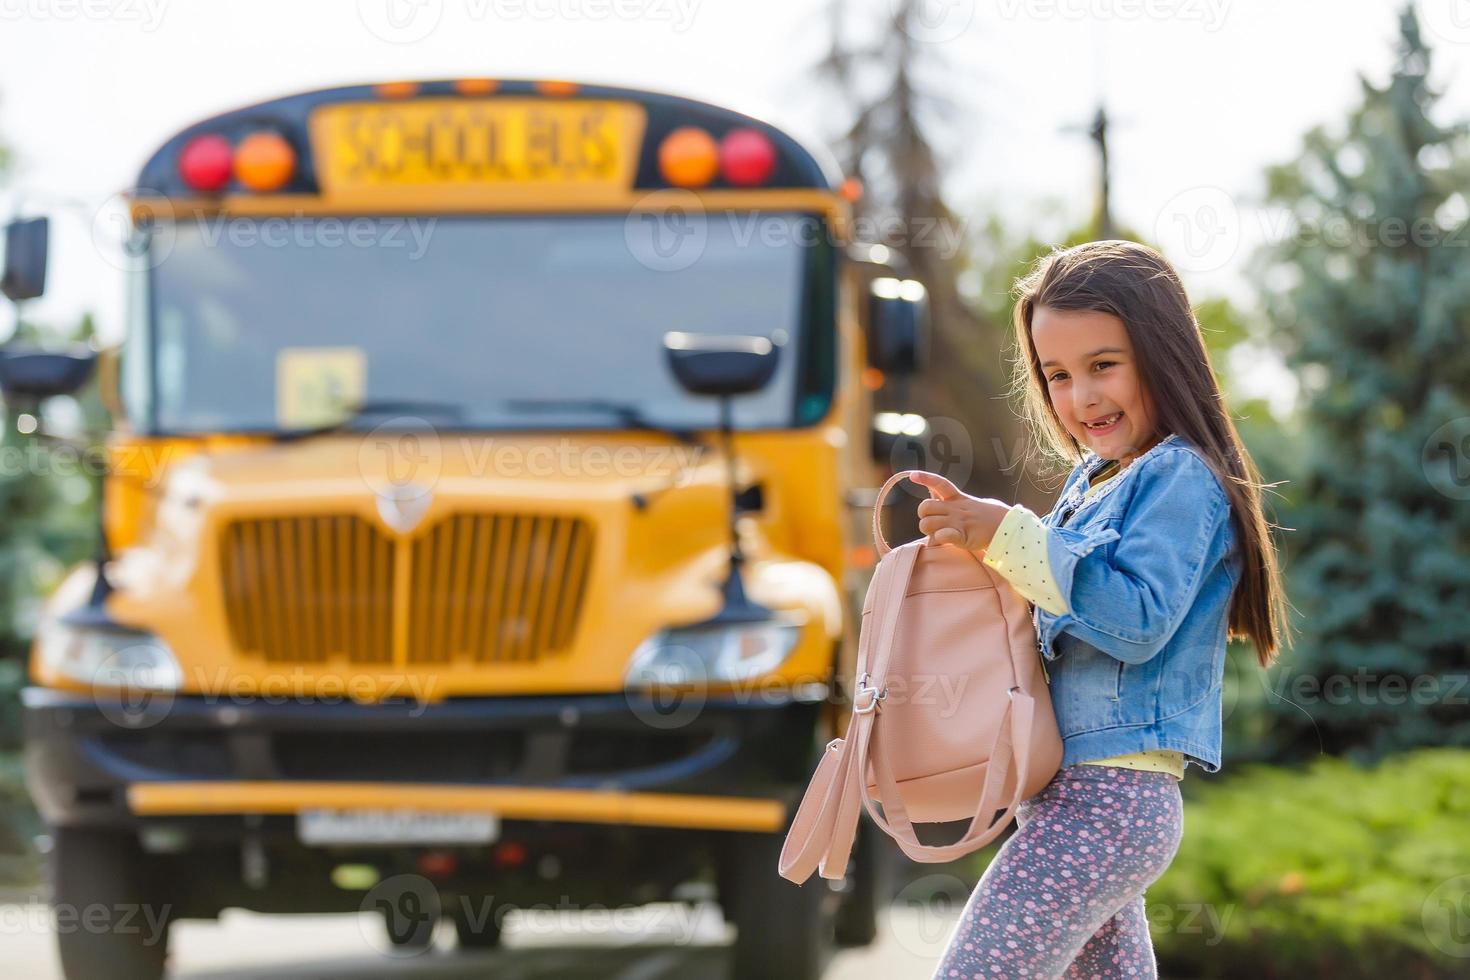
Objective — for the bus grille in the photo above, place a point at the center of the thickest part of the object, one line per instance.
(472, 589)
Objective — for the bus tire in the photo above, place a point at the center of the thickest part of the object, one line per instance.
(872, 887)
(475, 935)
(93, 868)
(782, 929)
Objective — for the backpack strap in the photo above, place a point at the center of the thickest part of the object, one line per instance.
(888, 485)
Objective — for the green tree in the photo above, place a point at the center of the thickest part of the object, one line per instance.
(892, 90)
(1370, 305)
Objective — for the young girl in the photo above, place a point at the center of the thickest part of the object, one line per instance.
(1157, 552)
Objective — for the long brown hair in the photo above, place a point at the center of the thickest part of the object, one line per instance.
(1138, 286)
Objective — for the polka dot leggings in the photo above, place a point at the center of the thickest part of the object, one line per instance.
(1064, 895)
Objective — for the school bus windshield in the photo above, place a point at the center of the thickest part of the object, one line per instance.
(265, 324)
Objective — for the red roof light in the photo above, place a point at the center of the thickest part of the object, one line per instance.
(747, 157)
(206, 163)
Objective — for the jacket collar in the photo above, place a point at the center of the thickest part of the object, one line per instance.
(1091, 463)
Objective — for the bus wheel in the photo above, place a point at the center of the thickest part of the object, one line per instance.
(478, 928)
(782, 929)
(98, 869)
(872, 887)
(408, 939)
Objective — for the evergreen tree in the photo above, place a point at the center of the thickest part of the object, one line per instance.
(1370, 305)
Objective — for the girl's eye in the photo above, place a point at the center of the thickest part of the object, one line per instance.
(1104, 363)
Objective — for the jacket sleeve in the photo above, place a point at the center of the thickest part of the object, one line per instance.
(1130, 604)
(1018, 553)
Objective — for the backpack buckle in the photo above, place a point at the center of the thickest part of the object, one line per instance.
(874, 695)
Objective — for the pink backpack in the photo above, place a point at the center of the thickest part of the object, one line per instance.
(931, 612)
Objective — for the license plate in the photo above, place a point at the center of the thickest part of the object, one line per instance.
(333, 826)
(466, 143)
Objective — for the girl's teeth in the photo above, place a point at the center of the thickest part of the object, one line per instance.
(1104, 424)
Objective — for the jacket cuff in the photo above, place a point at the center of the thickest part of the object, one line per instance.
(1018, 552)
(1064, 548)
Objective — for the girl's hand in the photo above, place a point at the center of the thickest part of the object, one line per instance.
(951, 516)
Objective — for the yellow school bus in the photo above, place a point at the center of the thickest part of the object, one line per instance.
(485, 520)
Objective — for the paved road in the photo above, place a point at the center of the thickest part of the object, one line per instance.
(657, 942)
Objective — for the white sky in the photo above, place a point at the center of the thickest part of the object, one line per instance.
(1204, 93)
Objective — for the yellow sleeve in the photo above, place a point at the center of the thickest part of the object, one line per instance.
(1018, 552)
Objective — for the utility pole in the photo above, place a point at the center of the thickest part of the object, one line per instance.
(1098, 133)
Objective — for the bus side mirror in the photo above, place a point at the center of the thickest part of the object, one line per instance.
(705, 364)
(25, 259)
(898, 314)
(35, 374)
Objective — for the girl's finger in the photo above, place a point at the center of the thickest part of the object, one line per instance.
(936, 484)
(932, 507)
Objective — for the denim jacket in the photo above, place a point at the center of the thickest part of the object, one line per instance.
(1147, 566)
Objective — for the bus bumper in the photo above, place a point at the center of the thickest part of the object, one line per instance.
(723, 764)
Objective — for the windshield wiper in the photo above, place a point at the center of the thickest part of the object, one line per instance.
(379, 407)
(627, 414)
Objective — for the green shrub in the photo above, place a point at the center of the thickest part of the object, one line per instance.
(1332, 870)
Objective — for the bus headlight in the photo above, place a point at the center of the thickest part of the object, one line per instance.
(108, 658)
(697, 654)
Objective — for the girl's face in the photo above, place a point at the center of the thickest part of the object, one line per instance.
(1090, 374)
